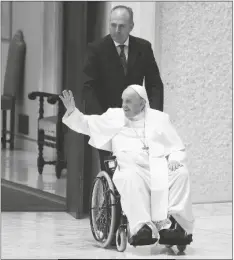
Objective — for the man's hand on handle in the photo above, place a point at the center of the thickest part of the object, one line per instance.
(68, 101)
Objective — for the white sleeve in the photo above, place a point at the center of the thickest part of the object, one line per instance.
(175, 148)
(77, 121)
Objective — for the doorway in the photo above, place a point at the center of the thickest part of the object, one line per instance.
(83, 23)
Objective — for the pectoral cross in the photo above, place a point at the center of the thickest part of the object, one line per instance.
(145, 147)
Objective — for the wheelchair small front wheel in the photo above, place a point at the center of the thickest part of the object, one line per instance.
(181, 248)
(121, 239)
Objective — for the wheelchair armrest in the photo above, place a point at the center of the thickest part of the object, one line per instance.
(110, 163)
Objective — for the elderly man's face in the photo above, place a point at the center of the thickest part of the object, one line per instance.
(132, 103)
(120, 25)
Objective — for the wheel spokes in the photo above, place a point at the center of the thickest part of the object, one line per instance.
(101, 212)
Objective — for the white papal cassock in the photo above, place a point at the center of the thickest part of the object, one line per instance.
(149, 191)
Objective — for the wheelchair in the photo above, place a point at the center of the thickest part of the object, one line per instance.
(108, 222)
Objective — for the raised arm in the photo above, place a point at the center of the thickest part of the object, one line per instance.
(73, 118)
(100, 128)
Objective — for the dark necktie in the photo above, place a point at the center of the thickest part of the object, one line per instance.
(123, 58)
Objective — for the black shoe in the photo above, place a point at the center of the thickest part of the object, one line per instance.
(170, 236)
(174, 237)
(143, 235)
(190, 238)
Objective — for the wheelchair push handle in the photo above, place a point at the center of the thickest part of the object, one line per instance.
(110, 163)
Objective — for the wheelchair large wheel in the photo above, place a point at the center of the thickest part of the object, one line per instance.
(103, 210)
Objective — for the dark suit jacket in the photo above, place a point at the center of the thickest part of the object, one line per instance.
(104, 79)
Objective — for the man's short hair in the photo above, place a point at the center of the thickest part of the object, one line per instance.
(129, 9)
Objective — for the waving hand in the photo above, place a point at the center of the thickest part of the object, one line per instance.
(68, 100)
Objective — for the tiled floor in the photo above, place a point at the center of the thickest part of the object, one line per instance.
(21, 167)
(58, 235)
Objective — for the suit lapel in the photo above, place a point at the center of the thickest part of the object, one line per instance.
(112, 52)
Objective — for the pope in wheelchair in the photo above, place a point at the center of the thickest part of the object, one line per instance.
(144, 195)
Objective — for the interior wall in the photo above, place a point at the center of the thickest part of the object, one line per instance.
(196, 68)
